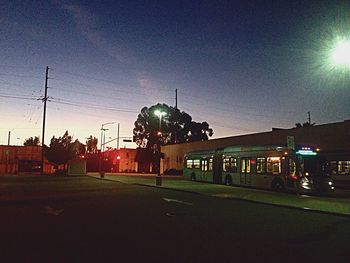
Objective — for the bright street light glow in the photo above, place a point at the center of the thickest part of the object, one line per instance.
(159, 113)
(341, 53)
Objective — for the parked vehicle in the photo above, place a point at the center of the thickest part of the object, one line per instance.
(267, 167)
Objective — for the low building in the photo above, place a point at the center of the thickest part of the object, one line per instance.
(22, 159)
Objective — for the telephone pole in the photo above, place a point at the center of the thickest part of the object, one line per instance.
(309, 117)
(44, 121)
(175, 98)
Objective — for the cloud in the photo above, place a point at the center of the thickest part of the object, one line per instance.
(86, 24)
(152, 90)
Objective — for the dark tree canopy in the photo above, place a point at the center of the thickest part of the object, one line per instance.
(32, 141)
(63, 149)
(91, 144)
(174, 127)
(305, 124)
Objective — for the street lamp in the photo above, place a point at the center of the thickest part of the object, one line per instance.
(160, 114)
(103, 145)
(340, 53)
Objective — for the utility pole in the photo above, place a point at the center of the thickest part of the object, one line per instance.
(175, 98)
(8, 138)
(309, 117)
(118, 136)
(44, 121)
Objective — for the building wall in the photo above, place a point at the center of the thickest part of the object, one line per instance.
(126, 161)
(327, 137)
(11, 156)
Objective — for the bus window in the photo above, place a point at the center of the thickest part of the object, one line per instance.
(226, 164)
(189, 164)
(274, 165)
(196, 163)
(334, 168)
(260, 165)
(204, 165)
(210, 165)
(230, 165)
(245, 166)
(344, 167)
(292, 168)
(233, 165)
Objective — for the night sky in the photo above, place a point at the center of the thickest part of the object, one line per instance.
(242, 66)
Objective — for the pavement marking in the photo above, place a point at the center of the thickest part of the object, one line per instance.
(52, 211)
(177, 201)
(171, 214)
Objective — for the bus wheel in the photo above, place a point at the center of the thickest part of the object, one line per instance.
(193, 177)
(228, 180)
(278, 186)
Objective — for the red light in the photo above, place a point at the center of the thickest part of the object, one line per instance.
(294, 177)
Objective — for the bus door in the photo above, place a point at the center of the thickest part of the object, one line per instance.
(245, 174)
(217, 168)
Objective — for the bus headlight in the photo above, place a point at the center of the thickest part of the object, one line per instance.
(330, 183)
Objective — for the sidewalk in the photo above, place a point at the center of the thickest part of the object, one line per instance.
(338, 206)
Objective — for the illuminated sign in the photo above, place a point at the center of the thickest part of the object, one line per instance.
(306, 152)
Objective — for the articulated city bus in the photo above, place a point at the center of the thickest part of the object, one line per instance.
(267, 167)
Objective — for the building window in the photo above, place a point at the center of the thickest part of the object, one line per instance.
(260, 165)
(274, 165)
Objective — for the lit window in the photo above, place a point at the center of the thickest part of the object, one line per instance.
(210, 165)
(334, 167)
(260, 165)
(189, 164)
(196, 164)
(344, 167)
(226, 164)
(230, 165)
(292, 168)
(274, 165)
(204, 165)
(245, 166)
(233, 166)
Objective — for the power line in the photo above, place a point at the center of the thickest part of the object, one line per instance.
(17, 97)
(95, 107)
(19, 76)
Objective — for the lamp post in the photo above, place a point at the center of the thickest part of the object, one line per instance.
(103, 146)
(159, 114)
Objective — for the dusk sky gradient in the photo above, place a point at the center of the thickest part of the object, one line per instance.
(242, 66)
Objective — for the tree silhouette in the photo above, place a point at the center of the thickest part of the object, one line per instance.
(305, 124)
(175, 127)
(32, 141)
(62, 149)
(91, 144)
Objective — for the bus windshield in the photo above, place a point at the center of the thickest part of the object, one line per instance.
(313, 166)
